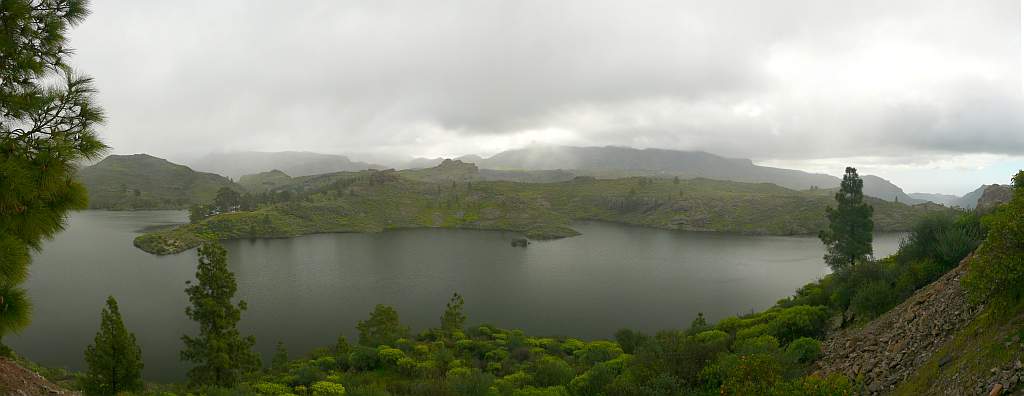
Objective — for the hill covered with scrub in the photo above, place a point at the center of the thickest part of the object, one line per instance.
(142, 181)
(454, 195)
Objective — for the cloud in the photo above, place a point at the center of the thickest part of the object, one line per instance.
(768, 80)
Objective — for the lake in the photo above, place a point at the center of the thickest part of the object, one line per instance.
(306, 291)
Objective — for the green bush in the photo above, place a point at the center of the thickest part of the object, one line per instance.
(363, 358)
(552, 371)
(549, 391)
(765, 344)
(873, 299)
(997, 270)
(799, 321)
(469, 382)
(324, 388)
(598, 351)
(803, 350)
(389, 356)
(593, 381)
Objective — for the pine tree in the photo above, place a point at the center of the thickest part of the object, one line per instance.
(848, 237)
(47, 120)
(220, 353)
(279, 363)
(382, 328)
(453, 319)
(114, 359)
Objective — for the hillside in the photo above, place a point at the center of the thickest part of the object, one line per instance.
(17, 380)
(140, 181)
(970, 200)
(368, 201)
(264, 181)
(941, 199)
(451, 195)
(993, 196)
(935, 343)
(295, 163)
(878, 187)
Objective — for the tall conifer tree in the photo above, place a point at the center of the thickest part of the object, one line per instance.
(848, 237)
(220, 353)
(453, 319)
(114, 359)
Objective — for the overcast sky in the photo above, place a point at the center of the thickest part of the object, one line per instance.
(926, 93)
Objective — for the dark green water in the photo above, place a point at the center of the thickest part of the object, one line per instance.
(306, 291)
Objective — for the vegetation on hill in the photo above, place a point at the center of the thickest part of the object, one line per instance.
(369, 201)
(140, 181)
(447, 196)
(264, 181)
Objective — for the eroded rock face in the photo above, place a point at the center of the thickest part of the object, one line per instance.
(993, 196)
(888, 350)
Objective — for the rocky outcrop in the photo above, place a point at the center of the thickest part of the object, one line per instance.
(17, 380)
(888, 350)
(993, 196)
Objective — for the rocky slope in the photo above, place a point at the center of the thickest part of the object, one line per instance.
(886, 351)
(993, 196)
(924, 345)
(17, 380)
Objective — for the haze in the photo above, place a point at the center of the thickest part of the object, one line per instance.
(924, 93)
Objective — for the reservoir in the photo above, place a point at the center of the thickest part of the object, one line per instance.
(306, 291)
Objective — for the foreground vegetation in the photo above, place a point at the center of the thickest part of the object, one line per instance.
(373, 201)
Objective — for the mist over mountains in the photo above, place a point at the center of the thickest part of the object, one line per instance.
(613, 161)
(294, 163)
(560, 163)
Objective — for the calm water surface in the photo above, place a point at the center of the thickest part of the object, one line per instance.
(306, 291)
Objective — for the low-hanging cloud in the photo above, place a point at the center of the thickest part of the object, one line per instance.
(766, 80)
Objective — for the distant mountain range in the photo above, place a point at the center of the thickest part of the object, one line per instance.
(294, 163)
(609, 162)
(547, 164)
(142, 181)
(941, 199)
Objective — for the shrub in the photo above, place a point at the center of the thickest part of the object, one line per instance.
(381, 328)
(268, 388)
(406, 366)
(549, 391)
(572, 345)
(390, 356)
(496, 355)
(552, 371)
(765, 344)
(629, 340)
(363, 358)
(873, 299)
(469, 382)
(798, 321)
(593, 381)
(598, 351)
(752, 331)
(997, 270)
(370, 390)
(324, 388)
(744, 374)
(803, 350)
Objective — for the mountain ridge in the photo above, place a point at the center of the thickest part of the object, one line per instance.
(142, 181)
(236, 164)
